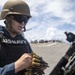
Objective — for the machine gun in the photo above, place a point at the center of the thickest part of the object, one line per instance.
(69, 68)
(37, 67)
(66, 64)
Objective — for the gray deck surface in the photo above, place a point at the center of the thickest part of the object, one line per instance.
(51, 53)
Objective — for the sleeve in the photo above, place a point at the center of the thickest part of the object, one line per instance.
(8, 69)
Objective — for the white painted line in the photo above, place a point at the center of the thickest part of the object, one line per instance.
(51, 44)
(44, 45)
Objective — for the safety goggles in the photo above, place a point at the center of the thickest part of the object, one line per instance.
(20, 18)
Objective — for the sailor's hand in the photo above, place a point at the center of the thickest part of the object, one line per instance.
(23, 62)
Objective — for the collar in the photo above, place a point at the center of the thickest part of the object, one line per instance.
(5, 32)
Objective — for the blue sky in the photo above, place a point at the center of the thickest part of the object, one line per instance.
(50, 19)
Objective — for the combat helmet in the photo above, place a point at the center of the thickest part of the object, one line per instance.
(15, 7)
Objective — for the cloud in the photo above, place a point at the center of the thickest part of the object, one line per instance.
(50, 33)
(58, 8)
(49, 18)
(2, 2)
(51, 14)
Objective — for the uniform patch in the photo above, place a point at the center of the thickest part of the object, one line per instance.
(9, 41)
